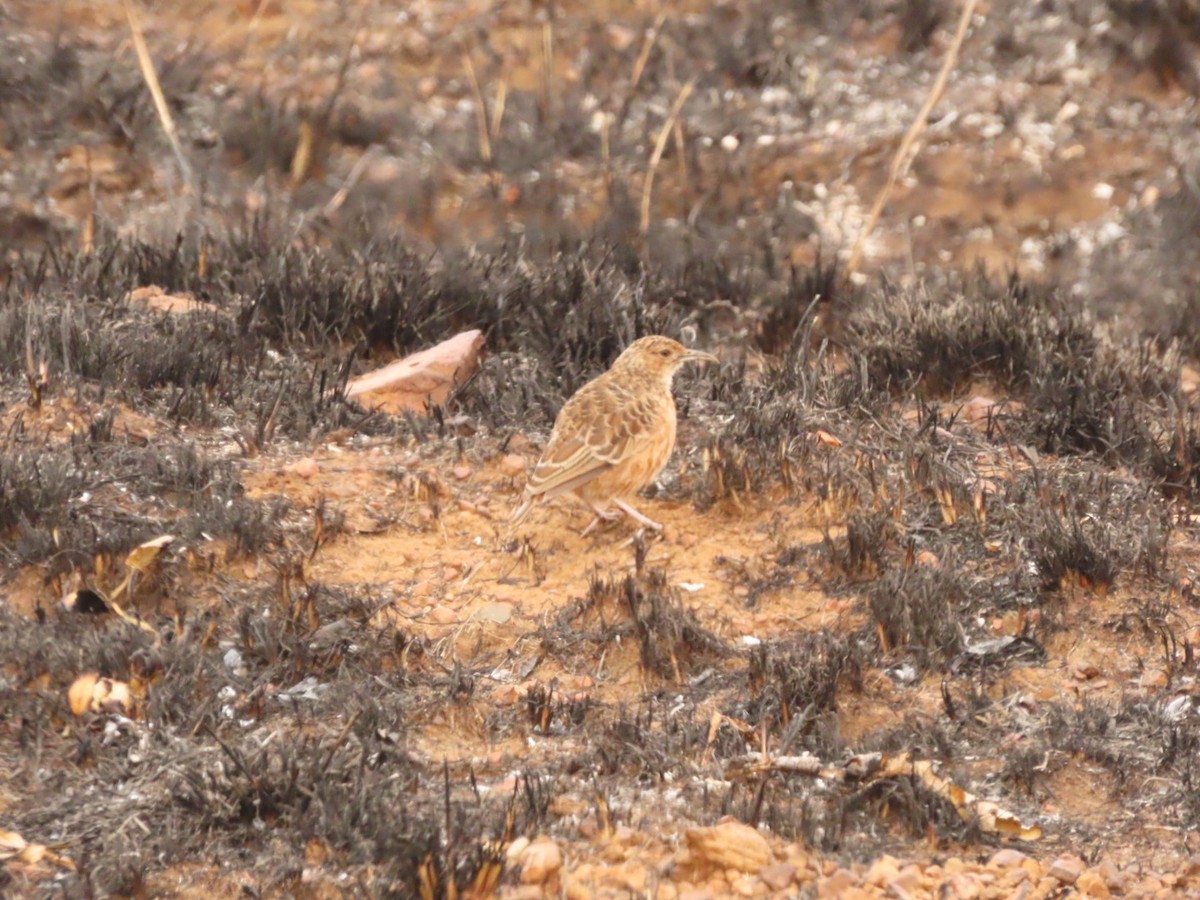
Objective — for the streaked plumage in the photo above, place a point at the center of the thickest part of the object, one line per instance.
(616, 433)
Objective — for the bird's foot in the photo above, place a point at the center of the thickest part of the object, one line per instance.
(645, 536)
(606, 516)
(637, 516)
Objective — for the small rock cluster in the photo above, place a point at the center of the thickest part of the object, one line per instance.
(733, 859)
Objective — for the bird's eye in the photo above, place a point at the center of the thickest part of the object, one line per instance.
(664, 353)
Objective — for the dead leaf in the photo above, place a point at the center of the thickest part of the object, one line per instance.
(829, 440)
(141, 557)
(79, 694)
(993, 818)
(989, 815)
(92, 693)
(11, 845)
(15, 847)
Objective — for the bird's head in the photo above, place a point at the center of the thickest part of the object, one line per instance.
(658, 357)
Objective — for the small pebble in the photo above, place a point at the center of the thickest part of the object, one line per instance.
(512, 465)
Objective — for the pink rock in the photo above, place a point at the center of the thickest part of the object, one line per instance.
(506, 695)
(777, 876)
(513, 465)
(305, 468)
(541, 860)
(730, 845)
(1066, 869)
(442, 615)
(496, 613)
(977, 409)
(155, 298)
(837, 884)
(882, 871)
(422, 380)
(1003, 859)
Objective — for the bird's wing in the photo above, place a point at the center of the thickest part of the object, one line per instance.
(595, 430)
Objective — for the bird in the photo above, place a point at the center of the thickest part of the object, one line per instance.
(614, 435)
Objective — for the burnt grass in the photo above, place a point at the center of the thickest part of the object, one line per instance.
(275, 725)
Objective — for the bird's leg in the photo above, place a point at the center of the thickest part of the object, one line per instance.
(602, 515)
(519, 513)
(637, 516)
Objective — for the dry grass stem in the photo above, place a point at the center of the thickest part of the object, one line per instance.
(606, 154)
(160, 101)
(336, 201)
(659, 146)
(547, 69)
(87, 237)
(639, 65)
(498, 108)
(481, 115)
(303, 157)
(902, 159)
(681, 155)
(313, 130)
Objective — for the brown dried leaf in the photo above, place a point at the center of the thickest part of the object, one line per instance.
(140, 558)
(946, 501)
(79, 694)
(990, 816)
(91, 693)
(829, 440)
(15, 847)
(11, 845)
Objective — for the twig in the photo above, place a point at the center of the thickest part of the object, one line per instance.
(160, 101)
(356, 172)
(659, 146)
(901, 161)
(341, 738)
(314, 130)
(315, 218)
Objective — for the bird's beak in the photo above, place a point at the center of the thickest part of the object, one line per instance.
(699, 356)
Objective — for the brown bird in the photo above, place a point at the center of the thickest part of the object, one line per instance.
(615, 435)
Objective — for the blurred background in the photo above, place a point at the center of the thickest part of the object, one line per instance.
(1063, 148)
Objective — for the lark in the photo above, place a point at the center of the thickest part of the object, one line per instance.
(614, 436)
